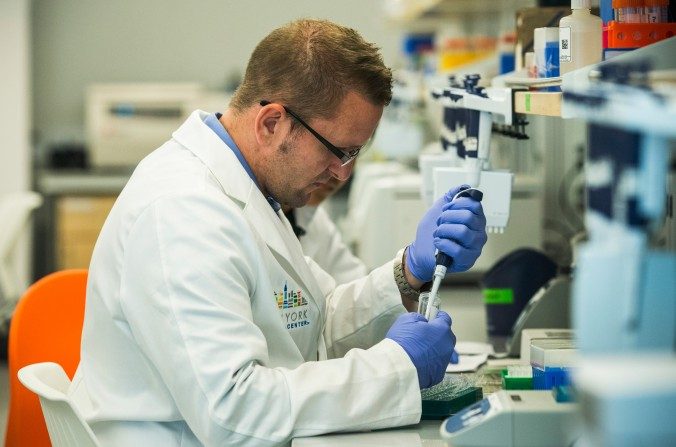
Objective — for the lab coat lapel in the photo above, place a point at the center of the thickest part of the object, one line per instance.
(276, 230)
(273, 228)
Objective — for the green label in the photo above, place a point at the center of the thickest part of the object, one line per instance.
(527, 102)
(498, 296)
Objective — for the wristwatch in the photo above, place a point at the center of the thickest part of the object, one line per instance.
(400, 278)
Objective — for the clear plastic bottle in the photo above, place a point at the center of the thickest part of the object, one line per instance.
(580, 37)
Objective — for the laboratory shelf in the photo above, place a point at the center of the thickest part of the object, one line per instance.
(411, 10)
(538, 103)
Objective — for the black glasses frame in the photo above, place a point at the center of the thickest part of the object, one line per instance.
(344, 155)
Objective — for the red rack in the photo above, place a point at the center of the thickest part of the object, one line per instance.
(635, 35)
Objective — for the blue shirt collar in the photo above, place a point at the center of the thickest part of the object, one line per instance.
(214, 124)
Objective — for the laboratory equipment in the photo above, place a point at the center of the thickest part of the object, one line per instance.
(580, 37)
(449, 396)
(443, 261)
(528, 335)
(469, 112)
(125, 122)
(624, 292)
(625, 36)
(508, 287)
(450, 163)
(549, 308)
(514, 418)
(517, 377)
(422, 302)
(526, 214)
(618, 274)
(433, 306)
(552, 361)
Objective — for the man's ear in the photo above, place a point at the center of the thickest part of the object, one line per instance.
(268, 125)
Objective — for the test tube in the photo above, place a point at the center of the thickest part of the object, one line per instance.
(628, 11)
(432, 308)
(656, 11)
(422, 302)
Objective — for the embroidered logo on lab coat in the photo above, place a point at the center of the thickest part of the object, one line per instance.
(294, 308)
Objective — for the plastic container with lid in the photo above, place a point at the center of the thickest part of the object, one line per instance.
(656, 11)
(580, 37)
(628, 11)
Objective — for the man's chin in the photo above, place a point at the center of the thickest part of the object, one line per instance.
(298, 201)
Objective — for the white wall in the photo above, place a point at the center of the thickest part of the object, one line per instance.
(14, 91)
(77, 42)
(15, 153)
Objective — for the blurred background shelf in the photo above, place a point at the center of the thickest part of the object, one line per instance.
(409, 10)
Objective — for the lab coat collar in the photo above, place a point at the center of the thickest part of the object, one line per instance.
(272, 227)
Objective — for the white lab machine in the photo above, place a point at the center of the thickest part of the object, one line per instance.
(514, 419)
(125, 122)
(528, 335)
(384, 208)
(549, 308)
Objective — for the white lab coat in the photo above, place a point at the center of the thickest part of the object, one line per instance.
(323, 242)
(184, 341)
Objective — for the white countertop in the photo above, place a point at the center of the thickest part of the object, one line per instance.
(426, 434)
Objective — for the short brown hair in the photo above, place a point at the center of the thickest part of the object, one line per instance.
(310, 65)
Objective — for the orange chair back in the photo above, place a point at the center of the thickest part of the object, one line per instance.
(46, 327)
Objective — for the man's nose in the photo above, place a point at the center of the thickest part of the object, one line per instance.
(340, 172)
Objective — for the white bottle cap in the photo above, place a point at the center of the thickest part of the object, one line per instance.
(580, 4)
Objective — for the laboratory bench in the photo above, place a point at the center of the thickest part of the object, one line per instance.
(465, 305)
(426, 433)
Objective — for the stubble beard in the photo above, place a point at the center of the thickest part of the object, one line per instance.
(281, 190)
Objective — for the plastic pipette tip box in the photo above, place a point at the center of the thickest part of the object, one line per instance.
(521, 379)
(441, 409)
(551, 360)
(548, 378)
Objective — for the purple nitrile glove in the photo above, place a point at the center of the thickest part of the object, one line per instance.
(455, 227)
(429, 345)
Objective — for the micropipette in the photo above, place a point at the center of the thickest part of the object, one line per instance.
(444, 261)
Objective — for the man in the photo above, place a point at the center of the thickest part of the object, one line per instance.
(206, 325)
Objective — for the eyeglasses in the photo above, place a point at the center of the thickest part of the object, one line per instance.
(344, 155)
